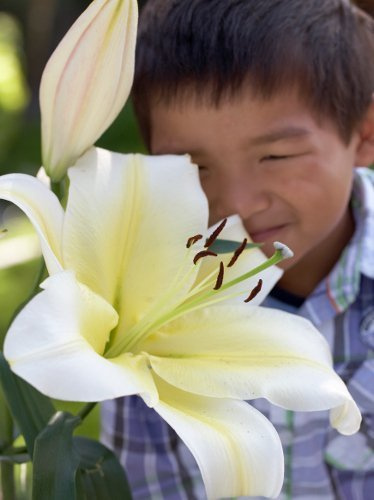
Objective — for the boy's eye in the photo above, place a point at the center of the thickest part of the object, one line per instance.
(275, 157)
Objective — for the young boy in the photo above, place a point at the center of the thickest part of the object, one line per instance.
(273, 100)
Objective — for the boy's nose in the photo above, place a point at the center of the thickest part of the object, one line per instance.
(238, 196)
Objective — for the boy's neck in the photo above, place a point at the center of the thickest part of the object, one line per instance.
(302, 278)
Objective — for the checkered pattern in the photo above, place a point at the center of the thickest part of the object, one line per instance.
(320, 464)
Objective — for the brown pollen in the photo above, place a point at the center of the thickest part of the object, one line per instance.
(237, 253)
(203, 253)
(191, 241)
(255, 291)
(212, 238)
(219, 277)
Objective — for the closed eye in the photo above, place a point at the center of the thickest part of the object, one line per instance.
(275, 158)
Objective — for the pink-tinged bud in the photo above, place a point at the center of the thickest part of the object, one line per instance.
(86, 82)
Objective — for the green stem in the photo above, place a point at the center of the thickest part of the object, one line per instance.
(58, 189)
(6, 438)
(6, 426)
(7, 481)
(86, 410)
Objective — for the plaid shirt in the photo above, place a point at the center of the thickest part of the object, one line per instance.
(320, 464)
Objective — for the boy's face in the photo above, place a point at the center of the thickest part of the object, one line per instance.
(286, 173)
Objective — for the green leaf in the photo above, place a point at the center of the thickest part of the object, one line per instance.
(100, 474)
(55, 460)
(67, 467)
(31, 409)
(6, 425)
(229, 246)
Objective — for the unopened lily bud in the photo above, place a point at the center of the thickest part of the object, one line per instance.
(86, 82)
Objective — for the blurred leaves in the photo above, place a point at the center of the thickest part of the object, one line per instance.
(13, 92)
(13, 89)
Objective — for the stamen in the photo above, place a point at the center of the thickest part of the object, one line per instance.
(212, 238)
(191, 241)
(237, 253)
(219, 277)
(202, 295)
(255, 291)
(203, 253)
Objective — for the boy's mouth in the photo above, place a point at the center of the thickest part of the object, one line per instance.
(270, 233)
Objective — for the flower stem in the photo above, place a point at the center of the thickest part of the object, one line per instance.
(86, 410)
(7, 489)
(60, 189)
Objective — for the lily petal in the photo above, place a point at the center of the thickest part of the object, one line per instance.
(346, 417)
(87, 81)
(129, 210)
(237, 449)
(42, 208)
(250, 352)
(249, 259)
(56, 342)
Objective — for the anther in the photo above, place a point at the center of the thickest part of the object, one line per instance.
(255, 291)
(219, 277)
(203, 253)
(212, 238)
(191, 241)
(237, 253)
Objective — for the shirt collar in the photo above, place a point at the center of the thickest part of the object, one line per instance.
(342, 285)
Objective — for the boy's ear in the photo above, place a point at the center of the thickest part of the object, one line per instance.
(365, 148)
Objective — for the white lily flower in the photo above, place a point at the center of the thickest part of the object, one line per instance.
(126, 311)
(86, 82)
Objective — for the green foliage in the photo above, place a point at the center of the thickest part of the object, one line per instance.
(73, 467)
(16, 283)
(30, 409)
(100, 475)
(65, 466)
(55, 460)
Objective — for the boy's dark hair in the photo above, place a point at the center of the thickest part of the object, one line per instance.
(213, 48)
